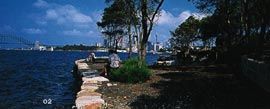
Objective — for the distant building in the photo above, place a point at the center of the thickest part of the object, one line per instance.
(158, 46)
(42, 48)
(37, 44)
(39, 47)
(98, 44)
(50, 49)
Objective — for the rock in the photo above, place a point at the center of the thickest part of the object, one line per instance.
(90, 73)
(87, 93)
(79, 61)
(109, 84)
(89, 84)
(88, 101)
(98, 78)
(90, 81)
(89, 87)
(82, 66)
(93, 106)
(73, 107)
(114, 84)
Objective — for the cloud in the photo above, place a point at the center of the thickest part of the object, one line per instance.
(41, 4)
(67, 13)
(97, 15)
(34, 31)
(62, 14)
(167, 18)
(76, 32)
(66, 17)
(167, 22)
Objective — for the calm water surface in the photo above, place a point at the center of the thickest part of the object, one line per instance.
(34, 79)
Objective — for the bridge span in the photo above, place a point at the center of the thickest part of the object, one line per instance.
(16, 41)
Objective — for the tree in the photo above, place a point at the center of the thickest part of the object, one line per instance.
(149, 10)
(144, 11)
(239, 25)
(185, 34)
(113, 23)
(128, 15)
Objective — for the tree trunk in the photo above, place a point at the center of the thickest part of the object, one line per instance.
(116, 45)
(143, 51)
(129, 40)
(144, 28)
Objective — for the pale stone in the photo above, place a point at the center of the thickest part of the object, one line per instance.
(91, 81)
(87, 93)
(79, 61)
(89, 87)
(93, 106)
(83, 101)
(109, 84)
(82, 66)
(98, 78)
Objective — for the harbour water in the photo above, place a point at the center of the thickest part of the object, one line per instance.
(41, 79)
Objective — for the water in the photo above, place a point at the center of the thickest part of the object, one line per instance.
(34, 79)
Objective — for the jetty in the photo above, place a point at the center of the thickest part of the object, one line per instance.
(88, 74)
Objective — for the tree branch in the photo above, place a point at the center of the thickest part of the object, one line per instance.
(152, 21)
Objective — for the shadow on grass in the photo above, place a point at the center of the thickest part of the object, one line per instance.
(185, 90)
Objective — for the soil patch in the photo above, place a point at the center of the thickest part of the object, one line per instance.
(195, 88)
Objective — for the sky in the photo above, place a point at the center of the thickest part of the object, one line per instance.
(61, 22)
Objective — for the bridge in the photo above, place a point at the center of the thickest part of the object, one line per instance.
(10, 40)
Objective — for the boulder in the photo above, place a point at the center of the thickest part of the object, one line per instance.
(91, 81)
(79, 61)
(89, 102)
(98, 78)
(82, 66)
(93, 106)
(89, 87)
(90, 73)
(87, 93)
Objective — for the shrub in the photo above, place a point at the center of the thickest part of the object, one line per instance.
(131, 72)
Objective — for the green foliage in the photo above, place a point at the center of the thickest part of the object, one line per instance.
(185, 33)
(131, 72)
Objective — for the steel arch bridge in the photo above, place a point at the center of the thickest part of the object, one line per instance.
(12, 40)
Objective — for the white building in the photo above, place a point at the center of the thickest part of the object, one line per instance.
(157, 47)
(42, 48)
(98, 44)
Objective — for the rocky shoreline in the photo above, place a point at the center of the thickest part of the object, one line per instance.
(87, 97)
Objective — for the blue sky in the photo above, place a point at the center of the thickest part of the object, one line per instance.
(62, 22)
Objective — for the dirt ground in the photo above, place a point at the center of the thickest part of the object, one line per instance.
(188, 88)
